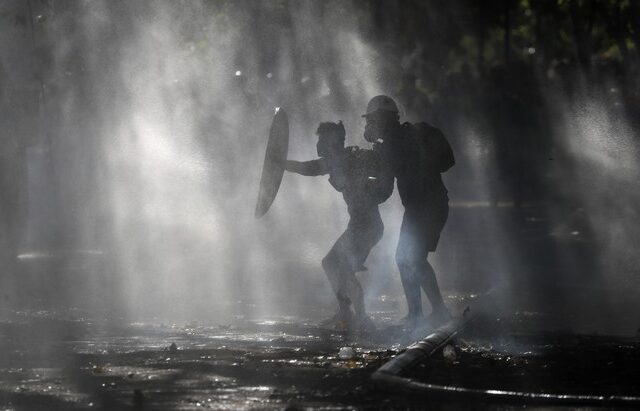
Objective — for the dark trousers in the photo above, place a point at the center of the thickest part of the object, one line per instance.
(419, 235)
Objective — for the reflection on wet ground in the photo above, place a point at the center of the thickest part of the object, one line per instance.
(515, 354)
(51, 362)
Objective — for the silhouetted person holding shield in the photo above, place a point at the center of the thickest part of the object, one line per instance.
(417, 154)
(364, 181)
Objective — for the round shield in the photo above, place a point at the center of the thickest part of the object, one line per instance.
(274, 162)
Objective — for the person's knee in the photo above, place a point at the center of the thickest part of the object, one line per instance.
(410, 264)
(328, 263)
(406, 268)
(404, 260)
(333, 265)
(427, 267)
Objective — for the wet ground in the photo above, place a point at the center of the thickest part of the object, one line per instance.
(514, 354)
(52, 361)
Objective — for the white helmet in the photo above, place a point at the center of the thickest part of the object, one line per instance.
(381, 103)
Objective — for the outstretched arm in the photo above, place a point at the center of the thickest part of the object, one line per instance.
(306, 168)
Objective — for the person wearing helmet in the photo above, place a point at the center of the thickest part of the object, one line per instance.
(417, 155)
(364, 182)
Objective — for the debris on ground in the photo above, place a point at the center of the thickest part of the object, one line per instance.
(346, 353)
(449, 352)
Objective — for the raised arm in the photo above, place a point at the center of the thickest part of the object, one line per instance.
(307, 168)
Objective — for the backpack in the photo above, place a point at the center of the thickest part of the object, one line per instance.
(370, 173)
(435, 151)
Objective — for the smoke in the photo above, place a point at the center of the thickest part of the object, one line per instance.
(138, 166)
(600, 175)
(157, 114)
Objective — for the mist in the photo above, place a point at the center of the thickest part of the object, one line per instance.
(135, 133)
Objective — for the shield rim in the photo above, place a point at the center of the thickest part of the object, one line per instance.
(273, 166)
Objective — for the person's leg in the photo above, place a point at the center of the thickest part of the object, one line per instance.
(407, 259)
(366, 233)
(429, 284)
(361, 320)
(356, 295)
(333, 265)
(433, 225)
(411, 290)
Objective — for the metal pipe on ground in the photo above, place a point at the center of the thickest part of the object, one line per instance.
(389, 377)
